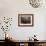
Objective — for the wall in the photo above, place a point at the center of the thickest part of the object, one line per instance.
(12, 8)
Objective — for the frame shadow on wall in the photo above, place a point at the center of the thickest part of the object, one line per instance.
(26, 20)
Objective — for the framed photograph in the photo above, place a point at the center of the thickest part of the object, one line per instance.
(25, 20)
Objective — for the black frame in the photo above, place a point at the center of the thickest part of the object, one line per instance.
(26, 25)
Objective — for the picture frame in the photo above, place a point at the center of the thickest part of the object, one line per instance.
(26, 20)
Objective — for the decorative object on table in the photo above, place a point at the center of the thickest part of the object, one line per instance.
(36, 3)
(30, 39)
(35, 38)
(7, 21)
(25, 20)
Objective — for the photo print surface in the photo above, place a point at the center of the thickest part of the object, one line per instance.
(25, 19)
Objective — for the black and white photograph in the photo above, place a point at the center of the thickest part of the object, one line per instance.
(25, 20)
(22, 22)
